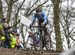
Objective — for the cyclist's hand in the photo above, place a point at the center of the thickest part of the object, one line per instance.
(42, 24)
(30, 26)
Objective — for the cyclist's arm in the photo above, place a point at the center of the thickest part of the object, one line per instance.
(45, 19)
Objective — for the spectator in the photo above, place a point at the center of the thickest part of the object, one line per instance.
(7, 35)
(2, 35)
(12, 38)
(19, 43)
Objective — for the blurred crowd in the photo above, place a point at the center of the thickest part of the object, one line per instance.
(9, 38)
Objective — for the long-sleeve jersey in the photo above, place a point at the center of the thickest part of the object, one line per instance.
(42, 15)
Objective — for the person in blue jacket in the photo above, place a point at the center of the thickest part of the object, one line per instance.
(42, 19)
(40, 15)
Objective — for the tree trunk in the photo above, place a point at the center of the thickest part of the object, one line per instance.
(57, 25)
(1, 11)
(9, 10)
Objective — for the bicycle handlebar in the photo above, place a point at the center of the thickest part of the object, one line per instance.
(39, 27)
(35, 26)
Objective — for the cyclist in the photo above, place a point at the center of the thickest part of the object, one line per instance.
(42, 19)
(41, 16)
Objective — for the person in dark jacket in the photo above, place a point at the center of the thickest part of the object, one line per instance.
(7, 35)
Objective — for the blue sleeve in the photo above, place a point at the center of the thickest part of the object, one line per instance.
(45, 17)
(33, 19)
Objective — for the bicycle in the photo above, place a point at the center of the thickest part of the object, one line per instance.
(43, 40)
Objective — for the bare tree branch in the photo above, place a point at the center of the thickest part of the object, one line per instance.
(34, 3)
(72, 2)
(30, 12)
(31, 7)
(72, 38)
(15, 1)
(10, 4)
(16, 15)
(6, 2)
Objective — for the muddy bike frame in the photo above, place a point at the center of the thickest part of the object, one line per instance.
(41, 34)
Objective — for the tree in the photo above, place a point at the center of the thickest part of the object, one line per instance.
(56, 21)
(1, 11)
(67, 23)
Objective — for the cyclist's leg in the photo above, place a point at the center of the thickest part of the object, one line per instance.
(46, 38)
(40, 36)
(43, 36)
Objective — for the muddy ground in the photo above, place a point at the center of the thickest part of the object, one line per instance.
(5, 51)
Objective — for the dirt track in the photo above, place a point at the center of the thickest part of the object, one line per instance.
(4, 51)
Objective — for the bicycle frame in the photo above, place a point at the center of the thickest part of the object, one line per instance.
(40, 32)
